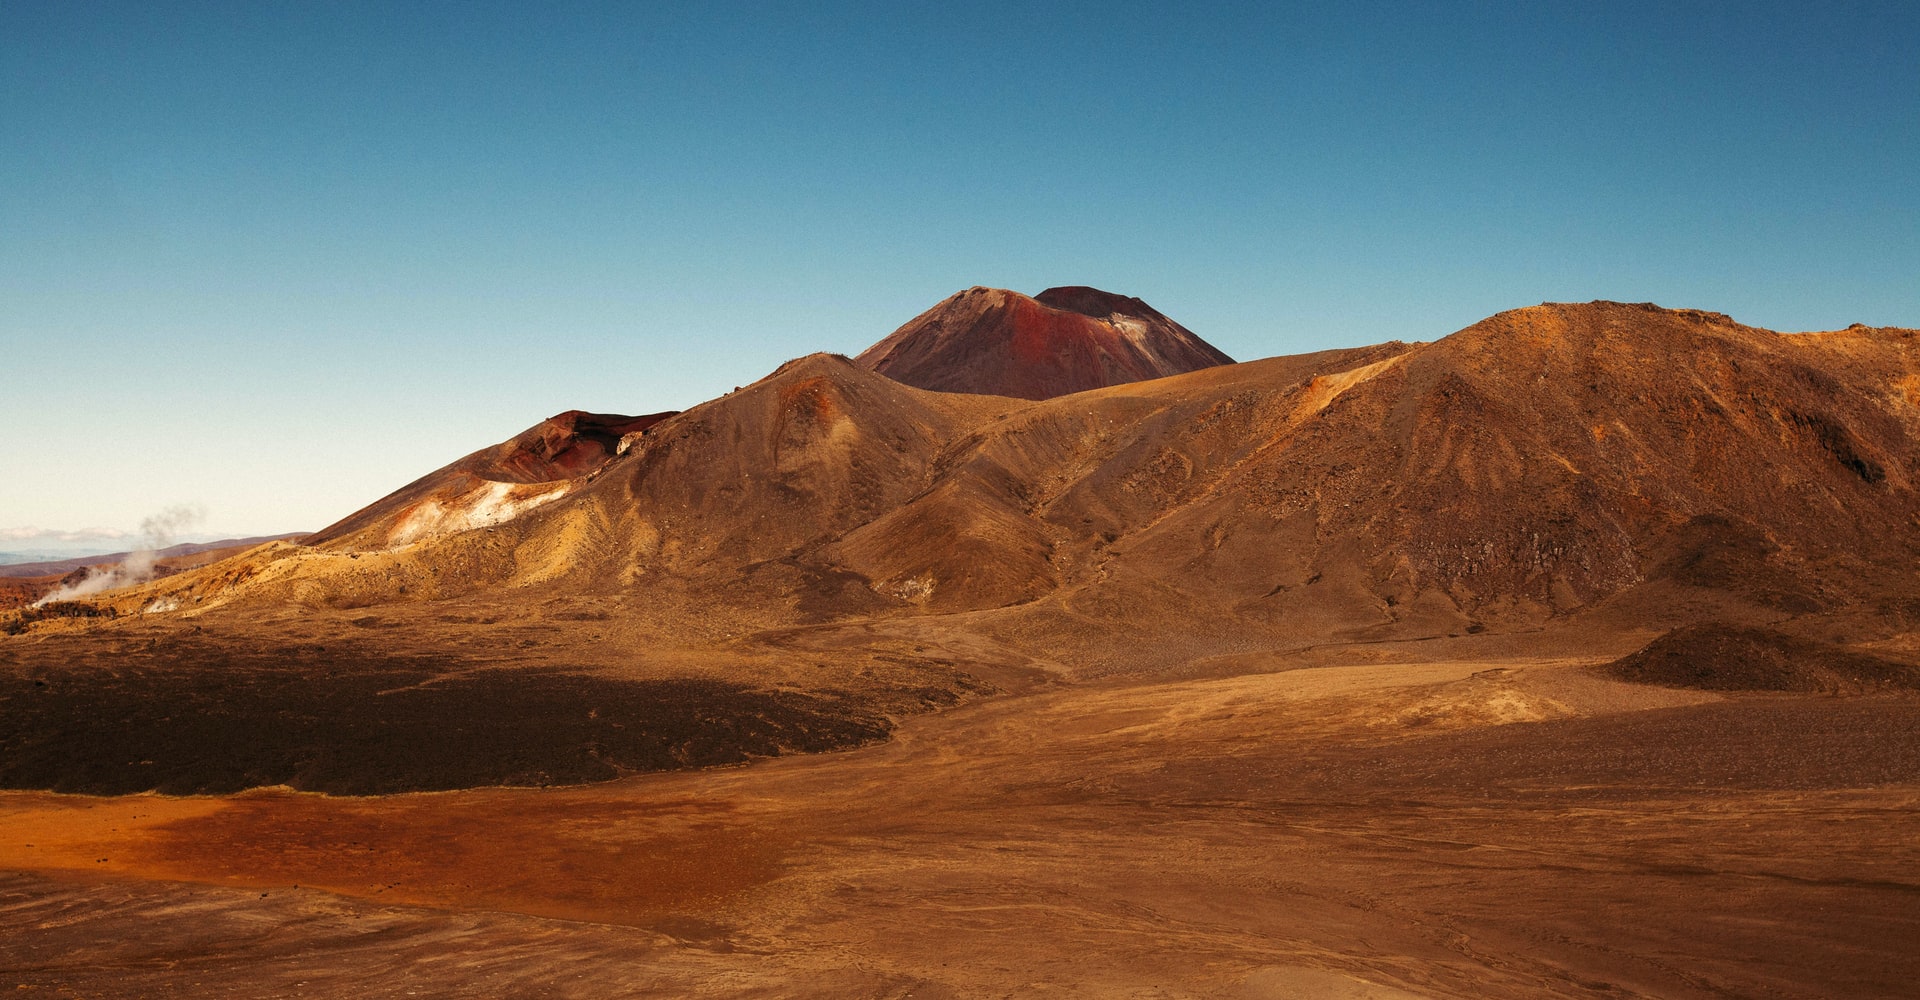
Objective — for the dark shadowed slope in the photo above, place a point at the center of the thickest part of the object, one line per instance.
(1065, 340)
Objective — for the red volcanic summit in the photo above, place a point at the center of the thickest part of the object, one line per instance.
(1069, 339)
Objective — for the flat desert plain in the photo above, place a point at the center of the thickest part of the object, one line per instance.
(1369, 821)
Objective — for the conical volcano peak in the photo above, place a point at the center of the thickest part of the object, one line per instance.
(1067, 339)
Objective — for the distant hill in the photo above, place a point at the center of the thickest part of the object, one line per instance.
(54, 567)
(15, 558)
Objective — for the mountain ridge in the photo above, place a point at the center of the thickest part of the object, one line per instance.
(1546, 462)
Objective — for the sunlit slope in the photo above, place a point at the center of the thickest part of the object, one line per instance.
(1531, 465)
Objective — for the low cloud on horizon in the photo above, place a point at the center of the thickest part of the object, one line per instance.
(81, 535)
(87, 541)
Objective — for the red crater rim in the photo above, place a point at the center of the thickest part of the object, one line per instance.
(1067, 339)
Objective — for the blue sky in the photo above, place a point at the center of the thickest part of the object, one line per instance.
(279, 259)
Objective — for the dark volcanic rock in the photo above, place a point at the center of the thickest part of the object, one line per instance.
(355, 725)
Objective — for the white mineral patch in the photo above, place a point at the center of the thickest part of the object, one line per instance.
(494, 503)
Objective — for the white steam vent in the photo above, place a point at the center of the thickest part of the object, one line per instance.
(156, 533)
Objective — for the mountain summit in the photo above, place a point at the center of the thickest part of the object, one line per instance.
(1064, 340)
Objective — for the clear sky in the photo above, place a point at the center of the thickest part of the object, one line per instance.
(277, 259)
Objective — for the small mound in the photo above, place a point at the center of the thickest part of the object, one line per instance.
(1717, 657)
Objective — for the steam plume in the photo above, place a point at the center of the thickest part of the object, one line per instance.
(156, 533)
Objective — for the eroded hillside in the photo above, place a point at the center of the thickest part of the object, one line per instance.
(1548, 462)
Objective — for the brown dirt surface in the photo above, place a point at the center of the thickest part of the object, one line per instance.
(1722, 658)
(352, 727)
(1317, 831)
(355, 703)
